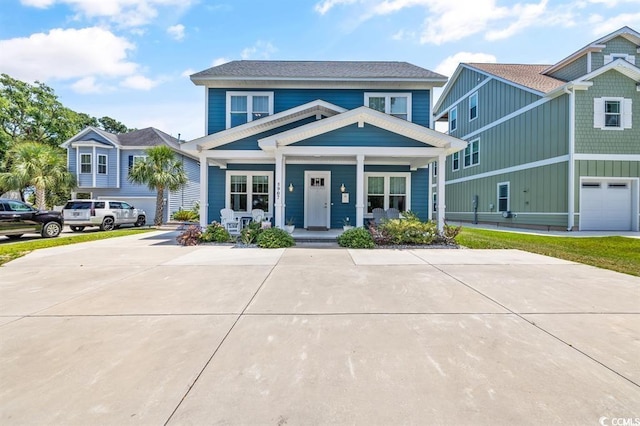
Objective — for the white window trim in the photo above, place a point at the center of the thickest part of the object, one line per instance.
(613, 56)
(471, 97)
(508, 184)
(106, 164)
(453, 167)
(249, 96)
(90, 163)
(386, 176)
(387, 101)
(625, 113)
(470, 146)
(434, 202)
(249, 174)
(451, 113)
(142, 157)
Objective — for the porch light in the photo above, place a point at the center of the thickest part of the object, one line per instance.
(342, 188)
(290, 187)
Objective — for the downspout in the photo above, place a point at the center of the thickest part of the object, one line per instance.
(572, 152)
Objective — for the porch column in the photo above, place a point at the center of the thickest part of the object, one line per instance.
(442, 159)
(430, 192)
(280, 189)
(360, 190)
(204, 190)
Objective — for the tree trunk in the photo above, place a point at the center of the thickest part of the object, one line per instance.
(159, 207)
(40, 197)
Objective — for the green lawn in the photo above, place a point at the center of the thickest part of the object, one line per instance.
(616, 253)
(14, 250)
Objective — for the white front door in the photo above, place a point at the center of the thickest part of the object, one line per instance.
(317, 206)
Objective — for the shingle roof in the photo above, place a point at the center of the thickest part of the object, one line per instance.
(147, 137)
(318, 70)
(528, 75)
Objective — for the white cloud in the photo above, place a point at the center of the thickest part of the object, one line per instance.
(260, 50)
(608, 25)
(127, 13)
(403, 35)
(67, 54)
(449, 65)
(613, 3)
(186, 73)
(326, 5)
(219, 61)
(88, 85)
(139, 82)
(176, 31)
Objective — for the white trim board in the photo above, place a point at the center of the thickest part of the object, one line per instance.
(607, 157)
(520, 167)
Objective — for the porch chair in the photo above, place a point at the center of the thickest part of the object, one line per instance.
(379, 215)
(393, 213)
(229, 221)
(258, 215)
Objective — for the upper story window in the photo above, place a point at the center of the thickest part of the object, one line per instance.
(473, 106)
(243, 107)
(453, 119)
(472, 153)
(612, 113)
(102, 164)
(85, 163)
(612, 57)
(455, 161)
(396, 104)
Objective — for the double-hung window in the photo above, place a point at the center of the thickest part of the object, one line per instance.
(453, 119)
(249, 190)
(503, 197)
(102, 164)
(473, 106)
(388, 190)
(85, 163)
(243, 107)
(396, 104)
(455, 161)
(472, 153)
(612, 113)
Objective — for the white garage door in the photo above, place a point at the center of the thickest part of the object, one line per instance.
(148, 204)
(605, 206)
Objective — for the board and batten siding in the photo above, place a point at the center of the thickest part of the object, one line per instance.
(467, 80)
(187, 196)
(285, 99)
(591, 140)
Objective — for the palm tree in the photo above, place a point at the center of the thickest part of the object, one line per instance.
(159, 171)
(38, 165)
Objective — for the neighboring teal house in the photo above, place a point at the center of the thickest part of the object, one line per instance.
(316, 142)
(101, 160)
(550, 146)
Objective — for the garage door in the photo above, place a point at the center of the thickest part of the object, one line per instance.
(605, 206)
(148, 204)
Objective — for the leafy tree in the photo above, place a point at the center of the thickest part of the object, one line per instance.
(112, 125)
(35, 164)
(160, 171)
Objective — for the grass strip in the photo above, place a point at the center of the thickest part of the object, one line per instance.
(619, 254)
(11, 251)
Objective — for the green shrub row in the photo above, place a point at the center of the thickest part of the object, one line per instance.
(250, 234)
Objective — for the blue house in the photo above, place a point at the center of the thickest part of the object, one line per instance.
(101, 160)
(318, 142)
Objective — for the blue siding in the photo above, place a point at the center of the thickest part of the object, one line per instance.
(251, 142)
(94, 137)
(420, 193)
(366, 136)
(285, 99)
(85, 179)
(127, 188)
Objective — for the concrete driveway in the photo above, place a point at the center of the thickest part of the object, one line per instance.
(138, 330)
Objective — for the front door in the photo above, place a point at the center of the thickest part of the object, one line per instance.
(317, 210)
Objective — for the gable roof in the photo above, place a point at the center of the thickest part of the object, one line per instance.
(317, 107)
(596, 46)
(526, 75)
(318, 71)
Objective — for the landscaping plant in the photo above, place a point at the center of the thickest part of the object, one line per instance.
(190, 236)
(356, 238)
(250, 233)
(185, 216)
(275, 238)
(409, 230)
(215, 233)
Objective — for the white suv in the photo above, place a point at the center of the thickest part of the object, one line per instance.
(107, 214)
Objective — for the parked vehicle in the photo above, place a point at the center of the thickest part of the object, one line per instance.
(18, 218)
(107, 214)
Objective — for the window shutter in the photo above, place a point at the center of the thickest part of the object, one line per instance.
(626, 114)
(598, 113)
(130, 162)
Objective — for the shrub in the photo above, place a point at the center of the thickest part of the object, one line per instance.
(379, 235)
(449, 234)
(185, 216)
(409, 231)
(356, 238)
(215, 233)
(190, 236)
(251, 232)
(275, 238)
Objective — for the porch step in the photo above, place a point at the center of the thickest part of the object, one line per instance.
(306, 236)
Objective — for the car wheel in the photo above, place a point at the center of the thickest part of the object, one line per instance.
(51, 229)
(15, 236)
(107, 224)
(77, 228)
(141, 221)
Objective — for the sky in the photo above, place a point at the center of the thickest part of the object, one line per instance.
(131, 59)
